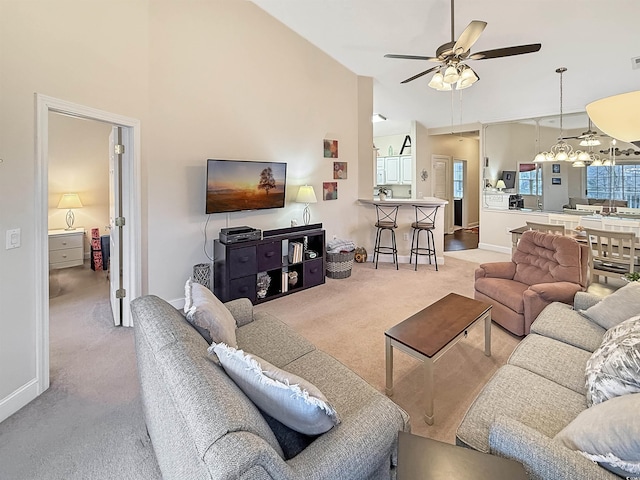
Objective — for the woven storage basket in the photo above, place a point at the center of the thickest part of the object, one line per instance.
(339, 264)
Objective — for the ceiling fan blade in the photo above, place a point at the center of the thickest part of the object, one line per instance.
(506, 52)
(469, 36)
(419, 75)
(412, 57)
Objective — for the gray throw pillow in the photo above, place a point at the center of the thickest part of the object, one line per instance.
(614, 368)
(290, 399)
(617, 307)
(608, 433)
(208, 313)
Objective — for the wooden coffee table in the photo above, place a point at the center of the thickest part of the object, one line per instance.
(428, 459)
(431, 332)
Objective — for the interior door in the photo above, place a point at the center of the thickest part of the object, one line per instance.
(442, 187)
(115, 227)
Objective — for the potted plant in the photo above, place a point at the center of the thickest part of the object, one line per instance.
(382, 192)
(632, 277)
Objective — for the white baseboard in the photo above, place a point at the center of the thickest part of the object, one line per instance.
(18, 399)
(494, 248)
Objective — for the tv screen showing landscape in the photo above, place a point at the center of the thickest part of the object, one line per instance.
(234, 185)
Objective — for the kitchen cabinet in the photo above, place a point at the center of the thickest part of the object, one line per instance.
(392, 170)
(406, 170)
(380, 177)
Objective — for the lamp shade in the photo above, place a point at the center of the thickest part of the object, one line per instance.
(70, 200)
(500, 184)
(306, 195)
(617, 116)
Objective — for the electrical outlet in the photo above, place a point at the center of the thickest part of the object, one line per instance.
(405, 236)
(13, 238)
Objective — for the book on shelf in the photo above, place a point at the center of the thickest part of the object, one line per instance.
(285, 283)
(296, 251)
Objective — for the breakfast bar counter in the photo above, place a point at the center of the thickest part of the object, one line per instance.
(406, 216)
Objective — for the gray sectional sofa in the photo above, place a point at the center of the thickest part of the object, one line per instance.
(537, 394)
(203, 426)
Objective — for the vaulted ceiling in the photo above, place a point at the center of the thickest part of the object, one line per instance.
(594, 40)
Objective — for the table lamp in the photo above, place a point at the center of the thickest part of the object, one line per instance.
(306, 195)
(501, 185)
(70, 201)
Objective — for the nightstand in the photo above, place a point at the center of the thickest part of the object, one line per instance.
(66, 248)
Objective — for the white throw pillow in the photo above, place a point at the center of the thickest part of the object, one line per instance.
(608, 433)
(622, 304)
(208, 313)
(614, 368)
(290, 399)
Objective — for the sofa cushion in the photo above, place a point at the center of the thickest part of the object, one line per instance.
(622, 304)
(209, 314)
(561, 322)
(554, 360)
(613, 369)
(524, 396)
(508, 291)
(608, 433)
(269, 338)
(288, 398)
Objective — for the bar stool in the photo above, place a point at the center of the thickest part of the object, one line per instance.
(425, 222)
(387, 216)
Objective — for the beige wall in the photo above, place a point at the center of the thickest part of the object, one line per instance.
(206, 80)
(79, 163)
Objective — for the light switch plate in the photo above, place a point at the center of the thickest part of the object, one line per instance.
(13, 238)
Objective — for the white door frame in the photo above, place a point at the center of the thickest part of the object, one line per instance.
(465, 190)
(448, 208)
(131, 206)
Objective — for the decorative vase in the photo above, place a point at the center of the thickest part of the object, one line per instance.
(383, 196)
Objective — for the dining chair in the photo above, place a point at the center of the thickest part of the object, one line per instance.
(570, 222)
(613, 253)
(555, 228)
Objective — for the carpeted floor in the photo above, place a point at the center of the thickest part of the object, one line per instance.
(89, 424)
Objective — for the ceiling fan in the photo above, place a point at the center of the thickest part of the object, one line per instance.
(451, 56)
(588, 138)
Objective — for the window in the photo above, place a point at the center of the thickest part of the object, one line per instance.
(529, 179)
(617, 182)
(458, 180)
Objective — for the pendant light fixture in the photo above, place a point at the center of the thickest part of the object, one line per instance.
(561, 151)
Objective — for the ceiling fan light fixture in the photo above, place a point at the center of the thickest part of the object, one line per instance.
(541, 157)
(579, 163)
(467, 78)
(596, 163)
(451, 74)
(437, 81)
(583, 156)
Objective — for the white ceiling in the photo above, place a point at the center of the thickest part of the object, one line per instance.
(595, 40)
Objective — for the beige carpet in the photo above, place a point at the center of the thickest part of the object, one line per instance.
(347, 319)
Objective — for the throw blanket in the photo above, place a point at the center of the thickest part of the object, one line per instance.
(336, 246)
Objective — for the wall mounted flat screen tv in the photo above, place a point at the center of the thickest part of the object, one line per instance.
(235, 185)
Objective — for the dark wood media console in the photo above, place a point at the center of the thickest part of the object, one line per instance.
(290, 267)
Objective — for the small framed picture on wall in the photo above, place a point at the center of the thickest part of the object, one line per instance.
(555, 168)
(556, 181)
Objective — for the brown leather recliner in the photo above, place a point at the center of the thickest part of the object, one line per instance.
(544, 268)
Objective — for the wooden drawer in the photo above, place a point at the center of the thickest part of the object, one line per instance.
(269, 256)
(61, 242)
(242, 262)
(313, 272)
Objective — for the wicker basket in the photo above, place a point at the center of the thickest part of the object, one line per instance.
(339, 264)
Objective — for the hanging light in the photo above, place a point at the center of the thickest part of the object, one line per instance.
(561, 151)
(589, 142)
(467, 77)
(455, 76)
(451, 74)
